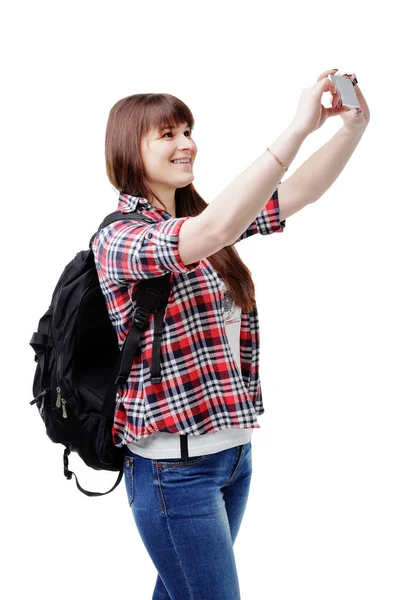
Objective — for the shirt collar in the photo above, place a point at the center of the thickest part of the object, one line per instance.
(128, 203)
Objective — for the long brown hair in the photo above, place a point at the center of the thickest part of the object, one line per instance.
(129, 120)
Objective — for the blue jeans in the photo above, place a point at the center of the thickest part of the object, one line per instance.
(188, 514)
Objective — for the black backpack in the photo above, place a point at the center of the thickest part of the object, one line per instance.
(80, 365)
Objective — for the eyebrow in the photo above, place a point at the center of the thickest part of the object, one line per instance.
(166, 126)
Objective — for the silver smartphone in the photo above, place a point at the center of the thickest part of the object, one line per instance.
(346, 89)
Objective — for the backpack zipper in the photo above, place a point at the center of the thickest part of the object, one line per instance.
(61, 402)
(64, 410)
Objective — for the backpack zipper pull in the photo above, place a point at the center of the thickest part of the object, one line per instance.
(64, 410)
(58, 401)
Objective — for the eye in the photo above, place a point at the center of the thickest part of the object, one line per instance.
(170, 132)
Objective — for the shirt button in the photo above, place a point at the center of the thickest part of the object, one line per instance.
(149, 235)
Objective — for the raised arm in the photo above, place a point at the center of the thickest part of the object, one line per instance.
(252, 192)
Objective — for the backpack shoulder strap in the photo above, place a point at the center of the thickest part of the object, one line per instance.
(152, 297)
(120, 216)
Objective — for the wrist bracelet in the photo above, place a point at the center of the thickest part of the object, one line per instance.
(277, 159)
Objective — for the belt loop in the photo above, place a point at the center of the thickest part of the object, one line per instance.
(184, 447)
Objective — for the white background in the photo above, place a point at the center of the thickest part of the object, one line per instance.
(322, 519)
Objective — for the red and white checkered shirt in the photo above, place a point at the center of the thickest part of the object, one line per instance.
(201, 390)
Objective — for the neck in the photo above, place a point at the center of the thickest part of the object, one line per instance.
(169, 204)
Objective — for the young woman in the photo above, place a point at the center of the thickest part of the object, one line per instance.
(187, 436)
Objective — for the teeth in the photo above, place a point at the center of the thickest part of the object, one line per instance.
(186, 160)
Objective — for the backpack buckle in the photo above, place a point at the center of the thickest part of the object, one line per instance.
(140, 317)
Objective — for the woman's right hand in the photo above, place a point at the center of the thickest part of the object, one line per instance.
(311, 114)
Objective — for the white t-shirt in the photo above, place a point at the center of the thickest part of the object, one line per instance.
(163, 445)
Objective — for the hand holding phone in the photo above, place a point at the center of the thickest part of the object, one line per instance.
(346, 89)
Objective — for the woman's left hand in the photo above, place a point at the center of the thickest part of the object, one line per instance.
(352, 120)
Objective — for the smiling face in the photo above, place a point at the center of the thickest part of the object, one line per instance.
(159, 148)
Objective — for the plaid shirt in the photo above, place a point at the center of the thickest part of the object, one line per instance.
(202, 390)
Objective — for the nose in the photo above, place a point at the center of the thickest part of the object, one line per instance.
(186, 142)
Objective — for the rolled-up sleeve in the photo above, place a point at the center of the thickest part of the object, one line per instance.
(268, 221)
(127, 251)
